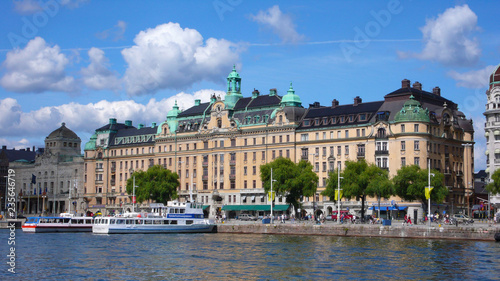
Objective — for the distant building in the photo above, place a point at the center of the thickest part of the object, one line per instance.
(8, 156)
(217, 147)
(492, 128)
(57, 174)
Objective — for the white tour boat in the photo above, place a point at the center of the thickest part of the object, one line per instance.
(176, 217)
(63, 223)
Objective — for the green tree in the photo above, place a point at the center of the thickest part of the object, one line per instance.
(290, 179)
(410, 183)
(379, 186)
(157, 183)
(494, 186)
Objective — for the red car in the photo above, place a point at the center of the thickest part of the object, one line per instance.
(347, 215)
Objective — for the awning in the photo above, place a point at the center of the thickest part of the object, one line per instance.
(243, 197)
(496, 132)
(384, 208)
(205, 207)
(253, 197)
(255, 207)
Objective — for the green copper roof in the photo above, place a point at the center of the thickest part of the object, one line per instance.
(233, 73)
(174, 111)
(412, 111)
(291, 99)
(91, 144)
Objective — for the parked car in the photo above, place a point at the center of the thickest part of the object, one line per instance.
(247, 217)
(347, 215)
(463, 218)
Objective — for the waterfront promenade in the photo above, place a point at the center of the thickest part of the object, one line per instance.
(481, 231)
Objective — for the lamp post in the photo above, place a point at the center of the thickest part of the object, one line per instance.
(314, 196)
(133, 190)
(429, 187)
(272, 197)
(468, 179)
(338, 194)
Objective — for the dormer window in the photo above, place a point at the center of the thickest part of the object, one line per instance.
(306, 122)
(316, 121)
(342, 119)
(351, 118)
(362, 117)
(325, 121)
(256, 119)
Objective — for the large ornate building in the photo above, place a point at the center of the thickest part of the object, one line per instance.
(53, 183)
(217, 147)
(492, 128)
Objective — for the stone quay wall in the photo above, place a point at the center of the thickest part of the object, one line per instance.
(474, 232)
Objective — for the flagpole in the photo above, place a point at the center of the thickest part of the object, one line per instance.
(338, 194)
(29, 195)
(272, 199)
(429, 186)
(38, 200)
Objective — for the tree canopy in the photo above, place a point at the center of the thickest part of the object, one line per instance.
(157, 183)
(494, 186)
(410, 183)
(360, 179)
(290, 179)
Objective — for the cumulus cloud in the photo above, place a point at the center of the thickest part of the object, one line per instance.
(97, 76)
(115, 33)
(37, 68)
(473, 79)
(169, 56)
(449, 38)
(85, 118)
(280, 24)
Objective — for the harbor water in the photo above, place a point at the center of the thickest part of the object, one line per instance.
(86, 256)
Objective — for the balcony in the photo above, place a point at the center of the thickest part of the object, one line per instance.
(361, 154)
(232, 176)
(113, 170)
(447, 172)
(113, 182)
(232, 162)
(97, 169)
(98, 181)
(460, 174)
(204, 163)
(381, 152)
(204, 177)
(446, 155)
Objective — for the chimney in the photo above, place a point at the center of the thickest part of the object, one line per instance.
(357, 100)
(4, 147)
(140, 126)
(255, 93)
(335, 103)
(28, 149)
(315, 104)
(112, 121)
(34, 149)
(128, 122)
(197, 102)
(405, 83)
(436, 91)
(153, 124)
(272, 92)
(417, 85)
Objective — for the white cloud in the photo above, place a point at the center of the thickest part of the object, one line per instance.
(168, 56)
(473, 79)
(449, 38)
(281, 24)
(85, 118)
(480, 145)
(27, 6)
(97, 76)
(115, 33)
(36, 68)
(17, 144)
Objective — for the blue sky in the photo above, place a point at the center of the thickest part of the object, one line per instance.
(82, 62)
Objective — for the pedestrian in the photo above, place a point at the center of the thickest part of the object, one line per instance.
(405, 220)
(409, 220)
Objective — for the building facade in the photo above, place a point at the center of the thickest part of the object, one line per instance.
(217, 147)
(492, 128)
(53, 182)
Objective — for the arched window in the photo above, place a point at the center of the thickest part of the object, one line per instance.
(381, 133)
(219, 123)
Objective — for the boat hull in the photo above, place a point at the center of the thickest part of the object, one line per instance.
(193, 228)
(59, 228)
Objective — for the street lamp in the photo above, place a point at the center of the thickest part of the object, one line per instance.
(133, 191)
(314, 196)
(468, 179)
(338, 194)
(272, 197)
(429, 187)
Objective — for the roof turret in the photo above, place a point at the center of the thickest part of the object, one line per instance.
(412, 111)
(291, 99)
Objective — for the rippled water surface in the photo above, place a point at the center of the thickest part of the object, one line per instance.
(58, 256)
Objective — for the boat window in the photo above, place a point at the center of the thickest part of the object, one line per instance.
(120, 222)
(88, 221)
(138, 221)
(157, 221)
(148, 222)
(173, 222)
(129, 222)
(112, 221)
(66, 220)
(189, 222)
(182, 211)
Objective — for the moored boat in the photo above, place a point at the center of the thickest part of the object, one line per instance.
(176, 217)
(63, 223)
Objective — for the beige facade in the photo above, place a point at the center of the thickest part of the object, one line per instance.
(217, 147)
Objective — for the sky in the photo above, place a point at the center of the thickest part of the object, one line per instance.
(82, 61)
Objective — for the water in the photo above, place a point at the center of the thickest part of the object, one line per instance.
(77, 256)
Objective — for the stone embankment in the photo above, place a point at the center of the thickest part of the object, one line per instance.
(484, 232)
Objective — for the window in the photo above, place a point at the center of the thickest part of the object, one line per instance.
(254, 156)
(281, 139)
(358, 133)
(244, 171)
(324, 151)
(403, 145)
(417, 161)
(306, 122)
(254, 184)
(317, 136)
(346, 150)
(324, 135)
(402, 128)
(245, 184)
(254, 170)
(245, 156)
(263, 155)
(346, 133)
(416, 128)
(416, 145)
(362, 117)
(274, 139)
(304, 137)
(339, 150)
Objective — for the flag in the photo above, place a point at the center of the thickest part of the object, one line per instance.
(336, 194)
(270, 197)
(133, 199)
(33, 179)
(428, 192)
